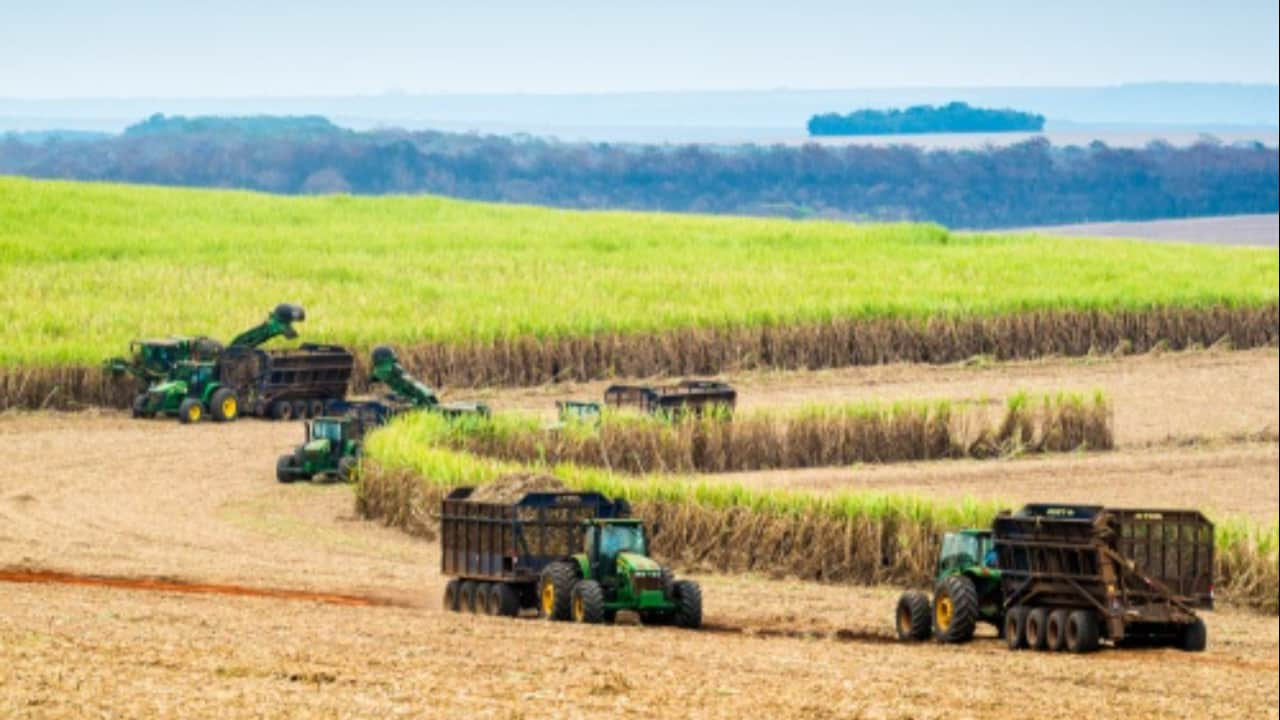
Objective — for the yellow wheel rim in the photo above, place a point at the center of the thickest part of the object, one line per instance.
(944, 612)
(229, 408)
(548, 598)
(578, 612)
(194, 413)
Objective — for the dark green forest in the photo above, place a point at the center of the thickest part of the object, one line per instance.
(1030, 183)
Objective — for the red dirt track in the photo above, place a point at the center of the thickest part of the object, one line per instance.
(50, 577)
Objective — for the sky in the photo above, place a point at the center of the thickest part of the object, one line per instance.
(267, 48)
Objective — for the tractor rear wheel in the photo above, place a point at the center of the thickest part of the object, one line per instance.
(1036, 630)
(1194, 637)
(281, 410)
(588, 602)
(1081, 634)
(223, 406)
(555, 589)
(914, 618)
(688, 598)
(284, 469)
(955, 609)
(503, 600)
(190, 411)
(467, 596)
(140, 407)
(1055, 630)
(451, 595)
(1015, 628)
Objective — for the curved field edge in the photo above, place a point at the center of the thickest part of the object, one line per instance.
(527, 360)
(87, 267)
(850, 537)
(816, 435)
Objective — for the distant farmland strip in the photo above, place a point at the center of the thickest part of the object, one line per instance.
(476, 294)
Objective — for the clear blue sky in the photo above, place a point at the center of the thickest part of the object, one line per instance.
(137, 48)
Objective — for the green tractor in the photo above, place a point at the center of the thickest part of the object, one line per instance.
(151, 361)
(192, 387)
(616, 573)
(966, 591)
(332, 445)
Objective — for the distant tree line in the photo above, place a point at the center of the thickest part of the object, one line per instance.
(951, 118)
(1030, 183)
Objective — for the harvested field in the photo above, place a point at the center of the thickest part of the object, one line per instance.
(99, 494)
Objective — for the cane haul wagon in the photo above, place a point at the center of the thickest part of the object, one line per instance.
(566, 555)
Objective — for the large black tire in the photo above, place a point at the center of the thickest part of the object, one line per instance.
(1081, 634)
(1015, 628)
(588, 602)
(224, 406)
(481, 599)
(300, 408)
(503, 600)
(955, 609)
(555, 590)
(467, 596)
(281, 410)
(1055, 630)
(190, 411)
(914, 617)
(284, 469)
(316, 408)
(1194, 637)
(140, 407)
(688, 599)
(452, 595)
(1036, 630)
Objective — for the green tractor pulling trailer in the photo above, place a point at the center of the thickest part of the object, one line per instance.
(1066, 577)
(332, 444)
(567, 555)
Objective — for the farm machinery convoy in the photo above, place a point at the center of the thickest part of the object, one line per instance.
(1065, 577)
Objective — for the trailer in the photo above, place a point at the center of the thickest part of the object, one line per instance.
(1073, 575)
(566, 555)
(285, 384)
(696, 397)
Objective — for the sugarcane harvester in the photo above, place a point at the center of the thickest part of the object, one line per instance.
(332, 444)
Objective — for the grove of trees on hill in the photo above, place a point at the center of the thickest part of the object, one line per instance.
(1030, 183)
(953, 117)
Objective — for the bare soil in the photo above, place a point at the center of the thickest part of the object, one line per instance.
(1157, 397)
(150, 509)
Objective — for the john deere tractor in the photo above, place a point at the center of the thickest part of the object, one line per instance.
(966, 591)
(616, 573)
(190, 387)
(332, 444)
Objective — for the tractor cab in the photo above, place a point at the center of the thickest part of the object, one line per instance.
(617, 548)
(966, 550)
(327, 436)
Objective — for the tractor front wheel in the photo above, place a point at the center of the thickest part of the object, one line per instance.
(190, 411)
(140, 407)
(913, 619)
(555, 590)
(223, 405)
(588, 602)
(955, 609)
(284, 469)
(688, 597)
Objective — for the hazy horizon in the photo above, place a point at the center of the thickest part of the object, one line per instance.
(77, 49)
